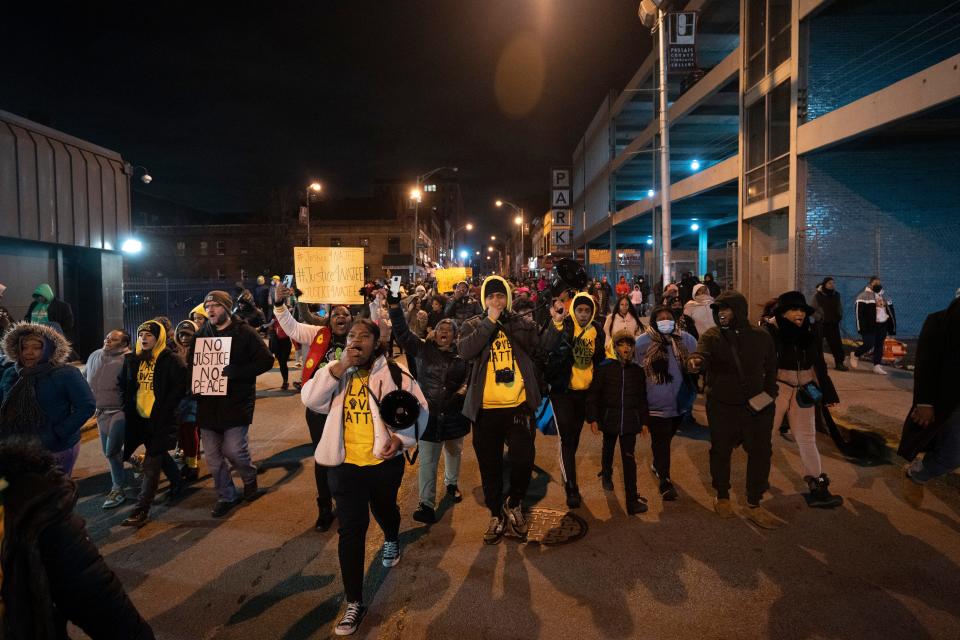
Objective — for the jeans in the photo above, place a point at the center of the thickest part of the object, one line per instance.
(730, 426)
(65, 459)
(152, 465)
(493, 428)
(873, 341)
(315, 423)
(570, 409)
(944, 457)
(628, 448)
(662, 431)
(232, 446)
(831, 332)
(111, 423)
(359, 491)
(427, 472)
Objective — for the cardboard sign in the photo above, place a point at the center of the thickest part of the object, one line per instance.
(447, 278)
(210, 356)
(329, 275)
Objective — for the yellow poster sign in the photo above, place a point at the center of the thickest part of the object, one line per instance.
(329, 275)
(447, 278)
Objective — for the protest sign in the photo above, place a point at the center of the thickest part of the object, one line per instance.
(210, 356)
(329, 275)
(447, 278)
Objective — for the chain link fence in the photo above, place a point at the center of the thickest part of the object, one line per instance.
(144, 299)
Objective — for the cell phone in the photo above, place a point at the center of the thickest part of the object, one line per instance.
(395, 285)
(288, 281)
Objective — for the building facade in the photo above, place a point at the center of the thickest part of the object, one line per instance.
(814, 139)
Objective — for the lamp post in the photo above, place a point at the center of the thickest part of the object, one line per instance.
(313, 187)
(518, 220)
(468, 227)
(417, 195)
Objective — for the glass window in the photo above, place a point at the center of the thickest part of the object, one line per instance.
(203, 247)
(767, 162)
(779, 37)
(779, 139)
(768, 37)
(181, 248)
(756, 40)
(221, 275)
(221, 247)
(393, 244)
(756, 134)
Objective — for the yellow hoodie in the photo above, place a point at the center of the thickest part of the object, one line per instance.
(501, 395)
(145, 395)
(584, 344)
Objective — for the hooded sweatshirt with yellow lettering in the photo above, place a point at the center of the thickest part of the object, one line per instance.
(145, 393)
(585, 345)
(501, 395)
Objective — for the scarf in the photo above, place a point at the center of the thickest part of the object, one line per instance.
(21, 412)
(656, 363)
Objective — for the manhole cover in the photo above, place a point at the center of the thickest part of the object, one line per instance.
(553, 526)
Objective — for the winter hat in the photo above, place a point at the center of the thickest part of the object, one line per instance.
(152, 326)
(199, 310)
(421, 290)
(792, 300)
(824, 282)
(188, 327)
(622, 335)
(220, 297)
(496, 284)
(277, 278)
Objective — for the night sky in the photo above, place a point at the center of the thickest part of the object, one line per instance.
(223, 102)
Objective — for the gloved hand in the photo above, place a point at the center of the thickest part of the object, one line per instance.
(392, 299)
(227, 371)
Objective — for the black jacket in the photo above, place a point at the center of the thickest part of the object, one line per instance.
(618, 398)
(866, 306)
(441, 375)
(758, 356)
(462, 310)
(158, 433)
(559, 363)
(249, 358)
(57, 311)
(829, 307)
(804, 352)
(52, 571)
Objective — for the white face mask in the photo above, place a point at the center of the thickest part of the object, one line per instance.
(666, 326)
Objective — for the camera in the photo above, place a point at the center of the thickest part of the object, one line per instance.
(503, 376)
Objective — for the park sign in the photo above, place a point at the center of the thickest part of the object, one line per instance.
(329, 275)
(210, 356)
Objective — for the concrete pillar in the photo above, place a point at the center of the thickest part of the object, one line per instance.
(702, 253)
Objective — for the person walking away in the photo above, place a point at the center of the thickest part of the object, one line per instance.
(363, 453)
(503, 393)
(581, 345)
(327, 343)
(623, 318)
(52, 573)
(102, 372)
(698, 309)
(712, 285)
(876, 320)
(41, 396)
(188, 432)
(152, 383)
(606, 293)
(800, 364)
(225, 420)
(828, 312)
(662, 351)
(46, 308)
(442, 376)
(617, 406)
(934, 425)
(740, 362)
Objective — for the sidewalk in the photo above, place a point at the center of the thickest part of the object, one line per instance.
(873, 402)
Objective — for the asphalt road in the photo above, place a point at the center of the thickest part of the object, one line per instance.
(874, 568)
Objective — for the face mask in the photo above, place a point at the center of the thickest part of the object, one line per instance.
(877, 288)
(666, 326)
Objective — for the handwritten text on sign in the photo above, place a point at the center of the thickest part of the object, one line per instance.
(210, 356)
(330, 275)
(447, 278)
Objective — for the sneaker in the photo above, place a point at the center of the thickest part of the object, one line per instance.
(223, 507)
(494, 531)
(636, 505)
(297, 386)
(324, 519)
(115, 498)
(723, 507)
(667, 491)
(252, 492)
(573, 497)
(137, 518)
(515, 519)
(854, 361)
(391, 553)
(284, 386)
(820, 496)
(606, 481)
(351, 619)
(911, 489)
(425, 514)
(190, 474)
(763, 518)
(877, 369)
(453, 492)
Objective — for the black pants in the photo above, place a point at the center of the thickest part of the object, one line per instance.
(492, 429)
(831, 331)
(360, 491)
(730, 426)
(152, 465)
(315, 423)
(570, 409)
(662, 431)
(628, 450)
(280, 348)
(873, 341)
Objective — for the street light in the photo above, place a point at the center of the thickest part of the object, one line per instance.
(493, 238)
(468, 227)
(313, 187)
(518, 220)
(417, 195)
(131, 246)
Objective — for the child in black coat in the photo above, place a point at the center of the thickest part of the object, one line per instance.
(617, 406)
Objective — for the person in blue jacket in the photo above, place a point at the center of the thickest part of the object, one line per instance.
(662, 352)
(42, 396)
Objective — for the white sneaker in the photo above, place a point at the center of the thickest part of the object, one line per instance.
(853, 361)
(877, 369)
(115, 498)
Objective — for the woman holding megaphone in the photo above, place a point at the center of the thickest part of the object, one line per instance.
(374, 409)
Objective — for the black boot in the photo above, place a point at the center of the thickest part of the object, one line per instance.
(636, 504)
(606, 480)
(425, 514)
(189, 474)
(820, 495)
(573, 496)
(325, 516)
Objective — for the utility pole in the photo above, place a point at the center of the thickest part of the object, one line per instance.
(665, 224)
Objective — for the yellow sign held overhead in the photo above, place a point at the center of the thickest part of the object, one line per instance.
(329, 275)
(447, 278)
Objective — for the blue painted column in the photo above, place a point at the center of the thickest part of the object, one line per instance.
(702, 252)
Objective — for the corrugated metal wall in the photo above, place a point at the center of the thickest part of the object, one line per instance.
(59, 189)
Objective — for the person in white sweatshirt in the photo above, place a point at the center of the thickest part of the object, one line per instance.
(699, 309)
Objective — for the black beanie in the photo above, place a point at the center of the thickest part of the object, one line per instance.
(494, 285)
(152, 326)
